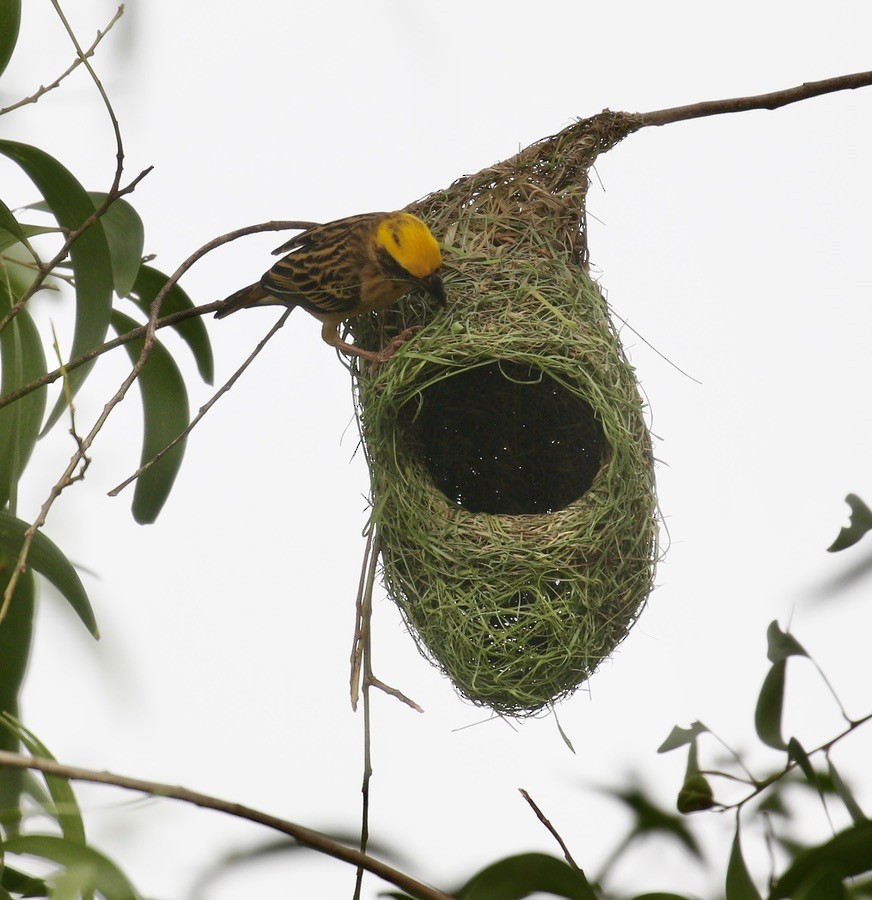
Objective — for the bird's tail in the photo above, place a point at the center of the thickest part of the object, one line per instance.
(253, 295)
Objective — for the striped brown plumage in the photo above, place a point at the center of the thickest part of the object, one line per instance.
(349, 267)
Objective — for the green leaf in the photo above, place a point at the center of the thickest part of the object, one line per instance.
(782, 644)
(520, 876)
(846, 795)
(166, 415)
(125, 235)
(767, 716)
(10, 20)
(649, 818)
(678, 737)
(846, 855)
(92, 267)
(149, 283)
(8, 239)
(860, 523)
(21, 361)
(63, 806)
(739, 883)
(796, 752)
(108, 879)
(46, 559)
(16, 634)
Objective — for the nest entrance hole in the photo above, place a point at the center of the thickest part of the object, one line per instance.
(506, 438)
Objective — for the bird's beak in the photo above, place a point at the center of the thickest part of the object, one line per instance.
(433, 285)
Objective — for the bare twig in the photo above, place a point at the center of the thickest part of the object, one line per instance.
(306, 836)
(205, 408)
(773, 100)
(163, 322)
(541, 817)
(44, 89)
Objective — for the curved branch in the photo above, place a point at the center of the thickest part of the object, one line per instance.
(773, 100)
(308, 837)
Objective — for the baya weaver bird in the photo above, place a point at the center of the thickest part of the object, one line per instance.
(349, 267)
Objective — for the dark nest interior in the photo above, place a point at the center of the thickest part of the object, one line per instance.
(507, 439)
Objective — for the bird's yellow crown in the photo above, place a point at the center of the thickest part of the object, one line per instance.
(409, 241)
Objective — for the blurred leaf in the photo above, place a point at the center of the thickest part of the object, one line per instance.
(846, 795)
(22, 883)
(520, 876)
(10, 20)
(782, 644)
(678, 737)
(21, 361)
(46, 559)
(795, 751)
(108, 879)
(860, 888)
(92, 267)
(860, 523)
(696, 795)
(149, 283)
(846, 855)
(63, 806)
(16, 634)
(767, 716)
(660, 895)
(739, 883)
(166, 415)
(649, 818)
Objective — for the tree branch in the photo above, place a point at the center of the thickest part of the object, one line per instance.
(773, 100)
(308, 837)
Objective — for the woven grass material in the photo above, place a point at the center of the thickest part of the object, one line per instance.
(512, 475)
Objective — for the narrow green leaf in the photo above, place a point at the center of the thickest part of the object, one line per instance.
(860, 523)
(21, 361)
(767, 716)
(47, 559)
(846, 855)
(696, 793)
(740, 886)
(16, 634)
(846, 795)
(782, 644)
(166, 414)
(110, 881)
(92, 267)
(125, 235)
(10, 21)
(149, 283)
(520, 876)
(8, 238)
(62, 804)
(678, 737)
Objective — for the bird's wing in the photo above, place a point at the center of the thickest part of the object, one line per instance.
(322, 272)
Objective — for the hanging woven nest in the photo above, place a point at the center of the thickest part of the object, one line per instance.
(512, 475)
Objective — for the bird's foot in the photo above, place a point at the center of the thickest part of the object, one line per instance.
(383, 355)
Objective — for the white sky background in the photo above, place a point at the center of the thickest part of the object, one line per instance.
(738, 246)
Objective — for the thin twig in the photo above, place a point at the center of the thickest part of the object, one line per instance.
(44, 89)
(772, 100)
(163, 322)
(205, 408)
(541, 817)
(306, 836)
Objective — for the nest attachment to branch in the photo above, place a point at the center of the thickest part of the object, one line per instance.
(512, 476)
